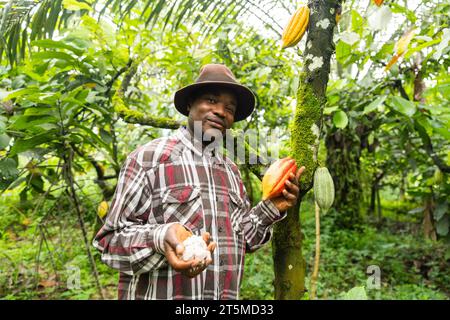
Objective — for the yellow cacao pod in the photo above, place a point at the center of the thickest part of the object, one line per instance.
(296, 27)
(323, 188)
(102, 209)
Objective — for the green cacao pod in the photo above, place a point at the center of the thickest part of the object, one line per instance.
(323, 188)
(438, 176)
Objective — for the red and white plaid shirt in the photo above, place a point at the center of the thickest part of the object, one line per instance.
(170, 180)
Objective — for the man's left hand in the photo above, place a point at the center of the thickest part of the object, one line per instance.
(289, 196)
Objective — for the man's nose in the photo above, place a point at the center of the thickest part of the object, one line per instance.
(219, 110)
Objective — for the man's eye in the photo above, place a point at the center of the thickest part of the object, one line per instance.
(212, 100)
(231, 109)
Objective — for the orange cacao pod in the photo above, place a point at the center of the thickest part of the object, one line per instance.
(275, 177)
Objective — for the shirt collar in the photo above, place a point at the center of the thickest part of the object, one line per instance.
(190, 141)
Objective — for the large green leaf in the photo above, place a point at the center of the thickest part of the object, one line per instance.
(340, 119)
(343, 52)
(440, 210)
(75, 5)
(55, 55)
(95, 139)
(403, 106)
(374, 104)
(21, 92)
(52, 44)
(21, 145)
(25, 122)
(8, 168)
(442, 226)
(4, 141)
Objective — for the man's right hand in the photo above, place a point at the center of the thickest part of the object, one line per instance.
(173, 245)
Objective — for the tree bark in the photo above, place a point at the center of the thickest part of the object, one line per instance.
(289, 264)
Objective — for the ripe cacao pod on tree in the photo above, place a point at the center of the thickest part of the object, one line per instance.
(275, 177)
(102, 209)
(323, 188)
(378, 2)
(296, 27)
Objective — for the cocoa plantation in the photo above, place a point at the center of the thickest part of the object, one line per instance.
(251, 150)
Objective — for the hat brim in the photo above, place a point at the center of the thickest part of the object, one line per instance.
(245, 98)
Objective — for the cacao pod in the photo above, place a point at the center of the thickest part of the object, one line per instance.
(378, 2)
(102, 209)
(275, 177)
(401, 45)
(438, 177)
(323, 188)
(296, 27)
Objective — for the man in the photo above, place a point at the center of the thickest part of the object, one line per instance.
(176, 186)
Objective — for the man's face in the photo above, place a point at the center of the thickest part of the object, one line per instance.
(214, 109)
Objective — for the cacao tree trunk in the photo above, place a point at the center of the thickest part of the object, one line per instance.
(289, 264)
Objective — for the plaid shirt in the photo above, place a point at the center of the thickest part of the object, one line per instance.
(172, 180)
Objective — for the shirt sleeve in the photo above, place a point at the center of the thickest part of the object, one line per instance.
(126, 241)
(258, 221)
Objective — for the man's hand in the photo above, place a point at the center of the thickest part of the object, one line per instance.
(290, 194)
(173, 245)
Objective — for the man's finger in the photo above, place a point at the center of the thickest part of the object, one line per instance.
(288, 195)
(211, 246)
(293, 188)
(299, 173)
(206, 236)
(176, 262)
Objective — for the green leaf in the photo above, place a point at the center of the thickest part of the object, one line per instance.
(403, 106)
(52, 44)
(343, 52)
(8, 168)
(420, 47)
(357, 22)
(356, 293)
(340, 119)
(442, 226)
(37, 184)
(330, 110)
(444, 89)
(105, 136)
(25, 122)
(94, 137)
(374, 104)
(396, 8)
(440, 210)
(20, 92)
(4, 141)
(26, 144)
(54, 55)
(75, 5)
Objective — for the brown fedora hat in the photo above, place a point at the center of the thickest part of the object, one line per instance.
(218, 74)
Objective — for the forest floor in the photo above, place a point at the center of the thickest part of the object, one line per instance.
(43, 256)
